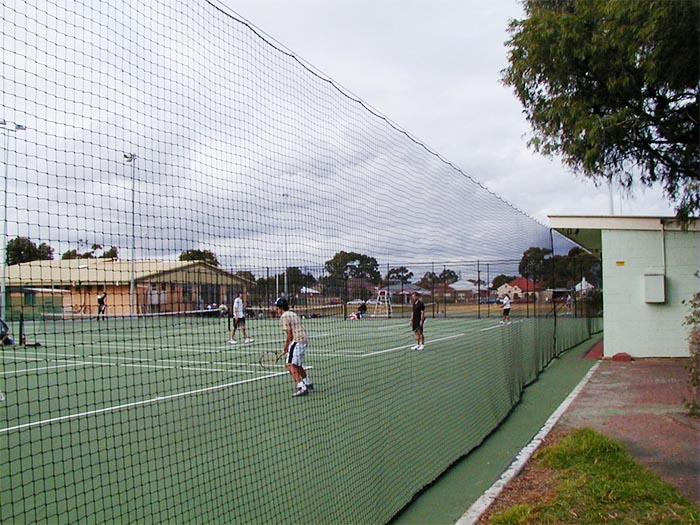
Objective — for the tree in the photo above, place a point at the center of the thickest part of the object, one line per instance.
(246, 275)
(200, 255)
(448, 276)
(299, 280)
(23, 249)
(613, 87)
(532, 265)
(559, 271)
(348, 273)
(346, 265)
(400, 274)
(112, 253)
(72, 254)
(429, 280)
(502, 279)
(584, 264)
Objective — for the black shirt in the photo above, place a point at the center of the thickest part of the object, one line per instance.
(418, 307)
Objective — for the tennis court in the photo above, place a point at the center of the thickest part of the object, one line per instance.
(170, 357)
(114, 423)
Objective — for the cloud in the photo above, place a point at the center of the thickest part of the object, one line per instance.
(248, 151)
(435, 70)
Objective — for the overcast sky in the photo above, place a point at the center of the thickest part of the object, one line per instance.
(433, 68)
(261, 153)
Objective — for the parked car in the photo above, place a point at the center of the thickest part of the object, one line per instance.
(490, 300)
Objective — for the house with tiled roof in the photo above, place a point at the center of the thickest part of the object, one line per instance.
(519, 288)
(462, 291)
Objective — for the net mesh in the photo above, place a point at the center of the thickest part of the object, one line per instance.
(163, 158)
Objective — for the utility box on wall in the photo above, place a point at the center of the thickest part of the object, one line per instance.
(654, 286)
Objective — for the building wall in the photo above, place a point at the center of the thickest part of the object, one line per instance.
(631, 324)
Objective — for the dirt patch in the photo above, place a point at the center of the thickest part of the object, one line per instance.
(533, 485)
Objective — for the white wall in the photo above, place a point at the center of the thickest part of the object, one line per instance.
(632, 325)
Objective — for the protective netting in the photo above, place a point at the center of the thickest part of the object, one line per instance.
(159, 159)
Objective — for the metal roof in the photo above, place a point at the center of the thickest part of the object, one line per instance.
(71, 272)
(585, 230)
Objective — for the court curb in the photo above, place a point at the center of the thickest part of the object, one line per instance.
(473, 513)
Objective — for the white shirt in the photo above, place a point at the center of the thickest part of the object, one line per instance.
(238, 312)
(506, 302)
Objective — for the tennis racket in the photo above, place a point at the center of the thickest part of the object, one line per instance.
(269, 359)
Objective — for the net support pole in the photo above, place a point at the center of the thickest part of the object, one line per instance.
(22, 338)
(130, 158)
(478, 290)
(7, 127)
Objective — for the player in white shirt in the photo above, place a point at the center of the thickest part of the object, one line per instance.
(295, 346)
(239, 320)
(506, 309)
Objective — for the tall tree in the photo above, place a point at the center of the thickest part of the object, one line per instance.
(347, 272)
(200, 255)
(613, 87)
(346, 265)
(583, 264)
(448, 276)
(532, 265)
(400, 274)
(23, 249)
(429, 280)
(299, 279)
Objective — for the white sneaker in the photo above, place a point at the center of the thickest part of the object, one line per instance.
(232, 342)
(501, 322)
(414, 347)
(509, 322)
(300, 392)
(249, 340)
(420, 347)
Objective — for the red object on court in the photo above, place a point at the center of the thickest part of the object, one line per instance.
(622, 356)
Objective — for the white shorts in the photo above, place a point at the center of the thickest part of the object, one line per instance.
(295, 353)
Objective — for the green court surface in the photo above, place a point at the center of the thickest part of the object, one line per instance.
(159, 419)
(451, 495)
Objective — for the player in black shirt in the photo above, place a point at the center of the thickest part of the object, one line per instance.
(417, 321)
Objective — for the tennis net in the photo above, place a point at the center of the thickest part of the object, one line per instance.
(167, 158)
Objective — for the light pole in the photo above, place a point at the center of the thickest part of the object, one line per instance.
(7, 127)
(131, 159)
(286, 256)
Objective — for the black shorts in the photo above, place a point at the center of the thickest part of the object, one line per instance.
(506, 311)
(416, 327)
(239, 322)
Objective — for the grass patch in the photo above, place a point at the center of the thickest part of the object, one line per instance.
(600, 483)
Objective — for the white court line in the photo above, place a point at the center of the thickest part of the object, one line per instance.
(35, 352)
(145, 363)
(55, 367)
(397, 348)
(394, 326)
(487, 498)
(134, 404)
(158, 367)
(499, 326)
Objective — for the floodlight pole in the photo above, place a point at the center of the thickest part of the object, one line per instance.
(131, 159)
(7, 127)
(286, 256)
